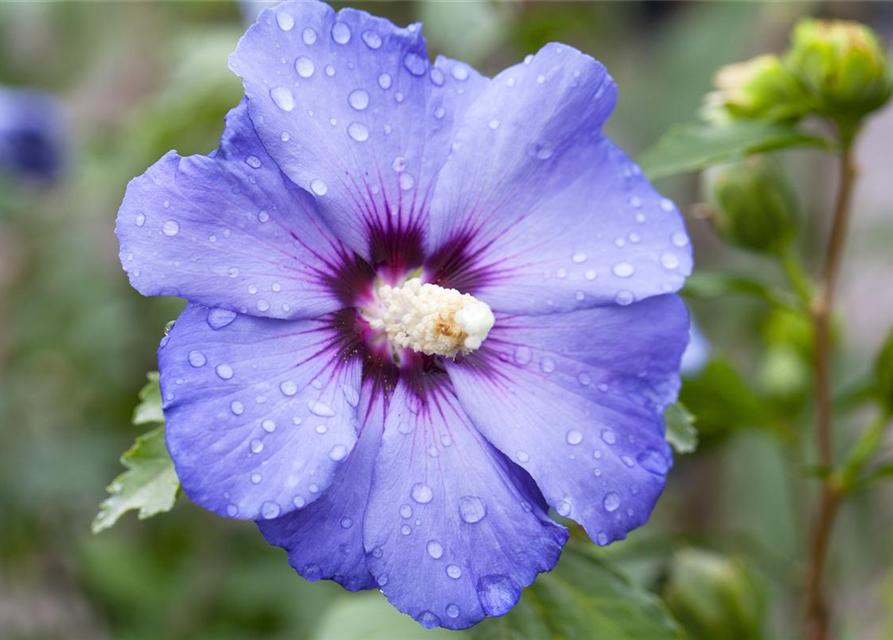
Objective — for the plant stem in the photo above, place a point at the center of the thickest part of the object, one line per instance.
(817, 615)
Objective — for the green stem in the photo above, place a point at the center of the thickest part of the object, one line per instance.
(861, 452)
(817, 611)
(797, 277)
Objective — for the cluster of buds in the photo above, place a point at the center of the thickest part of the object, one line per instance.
(836, 69)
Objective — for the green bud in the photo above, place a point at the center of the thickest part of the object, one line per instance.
(713, 596)
(753, 204)
(883, 373)
(843, 65)
(760, 88)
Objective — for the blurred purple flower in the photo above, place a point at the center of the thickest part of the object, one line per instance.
(31, 133)
(697, 353)
(328, 378)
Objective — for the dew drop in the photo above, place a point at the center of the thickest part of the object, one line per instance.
(406, 511)
(256, 446)
(236, 407)
(406, 530)
(666, 204)
(283, 98)
(262, 305)
(338, 453)
(574, 437)
(460, 72)
(253, 162)
(312, 572)
(385, 81)
(623, 270)
(493, 124)
(318, 187)
(341, 33)
(358, 99)
(299, 502)
(497, 593)
(563, 508)
(602, 538)
(268, 425)
(197, 358)
(358, 132)
(140, 219)
(321, 429)
(523, 355)
(232, 510)
(523, 456)
(346, 523)
(584, 379)
(256, 478)
(452, 610)
(472, 509)
(421, 493)
(611, 501)
(669, 261)
(453, 571)
(437, 77)
(224, 371)
(435, 549)
(652, 461)
(320, 409)
(407, 182)
(308, 35)
(415, 64)
(428, 620)
(679, 239)
(330, 70)
(171, 228)
(624, 298)
(304, 66)
(609, 436)
(547, 365)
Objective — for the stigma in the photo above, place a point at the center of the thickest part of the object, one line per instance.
(432, 320)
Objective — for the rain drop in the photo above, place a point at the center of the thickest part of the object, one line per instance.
(304, 66)
(453, 571)
(384, 81)
(308, 36)
(574, 437)
(224, 371)
(497, 593)
(318, 187)
(415, 64)
(269, 426)
(472, 509)
(358, 99)
(421, 493)
(171, 228)
(435, 549)
(611, 502)
(282, 98)
(320, 409)
(341, 33)
(197, 358)
(372, 39)
(358, 132)
(236, 407)
(338, 453)
(623, 270)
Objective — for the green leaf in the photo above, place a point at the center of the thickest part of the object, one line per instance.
(582, 598)
(371, 617)
(717, 284)
(148, 411)
(681, 432)
(149, 485)
(686, 148)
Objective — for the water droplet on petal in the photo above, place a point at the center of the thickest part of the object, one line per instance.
(338, 452)
(428, 620)
(602, 538)
(384, 81)
(262, 305)
(341, 33)
(311, 572)
(437, 77)
(358, 99)
(407, 182)
(197, 358)
(452, 610)
(304, 66)
(256, 446)
(224, 371)
(256, 478)
(611, 501)
(679, 239)
(498, 594)
(609, 436)
(523, 456)
(320, 409)
(288, 388)
(308, 35)
(415, 63)
(574, 437)
(623, 269)
(358, 132)
(669, 261)
(268, 425)
(453, 571)
(346, 523)
(282, 98)
(421, 493)
(435, 549)
(321, 429)
(563, 508)
(372, 39)
(140, 219)
(653, 461)
(624, 298)
(460, 72)
(236, 407)
(406, 530)
(547, 365)
(299, 502)
(584, 379)
(219, 318)
(318, 187)
(171, 228)
(406, 511)
(472, 509)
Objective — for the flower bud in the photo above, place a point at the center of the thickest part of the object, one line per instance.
(753, 204)
(713, 596)
(758, 88)
(883, 370)
(843, 65)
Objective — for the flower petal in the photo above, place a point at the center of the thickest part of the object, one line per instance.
(325, 539)
(260, 413)
(229, 229)
(536, 211)
(577, 400)
(453, 530)
(353, 111)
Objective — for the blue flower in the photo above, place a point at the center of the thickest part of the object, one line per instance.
(31, 137)
(425, 306)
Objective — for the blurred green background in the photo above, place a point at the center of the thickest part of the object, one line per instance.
(139, 78)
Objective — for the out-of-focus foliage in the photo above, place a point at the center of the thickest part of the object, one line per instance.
(138, 79)
(681, 432)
